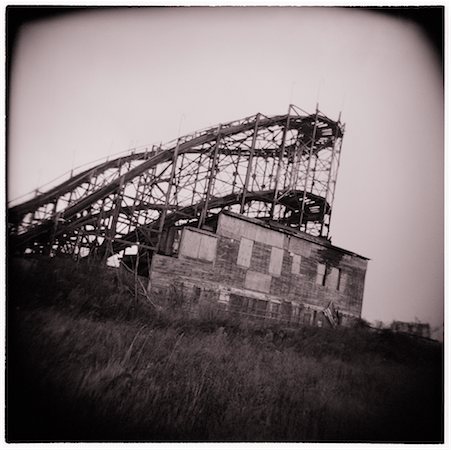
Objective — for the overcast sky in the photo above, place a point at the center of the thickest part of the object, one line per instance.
(97, 83)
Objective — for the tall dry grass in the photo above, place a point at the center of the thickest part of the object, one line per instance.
(87, 360)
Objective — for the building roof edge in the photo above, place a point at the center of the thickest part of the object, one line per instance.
(275, 226)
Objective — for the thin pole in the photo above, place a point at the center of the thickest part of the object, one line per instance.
(114, 219)
(308, 169)
(295, 165)
(329, 177)
(249, 164)
(335, 181)
(54, 229)
(279, 164)
(212, 175)
(197, 178)
(168, 193)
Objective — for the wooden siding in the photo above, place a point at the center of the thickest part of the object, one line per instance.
(253, 268)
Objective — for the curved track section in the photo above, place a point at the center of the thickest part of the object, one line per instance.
(280, 168)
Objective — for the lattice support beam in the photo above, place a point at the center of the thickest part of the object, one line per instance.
(281, 168)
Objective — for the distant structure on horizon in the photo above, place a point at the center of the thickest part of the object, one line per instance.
(415, 328)
(237, 216)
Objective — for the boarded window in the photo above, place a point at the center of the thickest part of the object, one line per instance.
(275, 309)
(286, 310)
(275, 263)
(257, 281)
(207, 248)
(296, 314)
(321, 274)
(254, 306)
(198, 245)
(245, 252)
(307, 319)
(333, 279)
(342, 281)
(296, 264)
(190, 244)
(338, 279)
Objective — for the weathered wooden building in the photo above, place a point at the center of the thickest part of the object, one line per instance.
(236, 216)
(263, 270)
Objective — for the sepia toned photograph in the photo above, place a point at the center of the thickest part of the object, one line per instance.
(225, 224)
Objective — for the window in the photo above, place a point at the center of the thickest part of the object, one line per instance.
(307, 317)
(207, 248)
(336, 279)
(296, 315)
(256, 306)
(286, 310)
(296, 264)
(275, 309)
(198, 245)
(245, 252)
(248, 305)
(342, 281)
(257, 281)
(176, 242)
(275, 263)
(190, 244)
(333, 280)
(332, 277)
(321, 274)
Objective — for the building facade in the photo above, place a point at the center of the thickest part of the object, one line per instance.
(261, 270)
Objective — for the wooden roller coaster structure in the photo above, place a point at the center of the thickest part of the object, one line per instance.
(281, 169)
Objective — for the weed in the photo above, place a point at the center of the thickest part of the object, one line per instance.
(90, 360)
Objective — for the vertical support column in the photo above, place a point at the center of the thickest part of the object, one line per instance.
(117, 208)
(100, 226)
(329, 178)
(304, 195)
(138, 198)
(297, 155)
(69, 200)
(33, 214)
(196, 179)
(334, 181)
(249, 164)
(168, 194)
(178, 176)
(56, 217)
(236, 170)
(279, 163)
(211, 177)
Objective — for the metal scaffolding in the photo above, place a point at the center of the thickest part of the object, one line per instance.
(282, 168)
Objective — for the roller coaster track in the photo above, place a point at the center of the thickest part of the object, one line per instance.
(281, 168)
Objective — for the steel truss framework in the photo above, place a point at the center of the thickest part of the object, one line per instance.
(282, 168)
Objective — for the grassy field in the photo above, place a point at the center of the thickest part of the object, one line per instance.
(89, 361)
